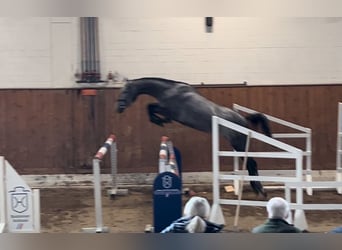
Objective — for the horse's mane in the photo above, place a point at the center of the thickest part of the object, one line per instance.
(160, 79)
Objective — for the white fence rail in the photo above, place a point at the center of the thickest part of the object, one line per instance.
(315, 184)
(304, 133)
(288, 152)
(289, 182)
(339, 147)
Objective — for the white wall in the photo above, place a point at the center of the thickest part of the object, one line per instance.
(256, 50)
(44, 52)
(38, 52)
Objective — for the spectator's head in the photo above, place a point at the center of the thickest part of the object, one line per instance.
(278, 208)
(197, 206)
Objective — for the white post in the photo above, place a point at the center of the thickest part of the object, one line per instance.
(36, 210)
(299, 217)
(236, 169)
(237, 212)
(299, 174)
(3, 215)
(98, 200)
(216, 162)
(216, 214)
(308, 163)
(115, 190)
(113, 163)
(97, 195)
(236, 164)
(339, 147)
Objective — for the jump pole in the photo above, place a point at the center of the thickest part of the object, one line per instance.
(167, 157)
(237, 211)
(339, 147)
(2, 195)
(97, 187)
(114, 172)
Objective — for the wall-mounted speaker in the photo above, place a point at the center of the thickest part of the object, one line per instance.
(209, 22)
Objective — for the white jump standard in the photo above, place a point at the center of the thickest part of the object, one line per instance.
(288, 152)
(290, 182)
(339, 148)
(109, 144)
(303, 133)
(19, 204)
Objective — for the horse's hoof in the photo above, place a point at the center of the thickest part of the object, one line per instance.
(264, 194)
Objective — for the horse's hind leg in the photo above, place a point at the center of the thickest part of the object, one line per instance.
(239, 144)
(252, 168)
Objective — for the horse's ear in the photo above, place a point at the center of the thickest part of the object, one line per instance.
(119, 78)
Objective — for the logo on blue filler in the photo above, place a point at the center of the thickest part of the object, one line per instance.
(167, 184)
(167, 181)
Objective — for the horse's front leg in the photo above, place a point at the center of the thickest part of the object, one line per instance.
(155, 112)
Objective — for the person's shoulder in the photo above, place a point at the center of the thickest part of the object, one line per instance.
(292, 229)
(212, 227)
(336, 230)
(258, 229)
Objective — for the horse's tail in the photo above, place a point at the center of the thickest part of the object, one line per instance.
(258, 118)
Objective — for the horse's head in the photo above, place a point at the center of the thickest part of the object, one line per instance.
(127, 97)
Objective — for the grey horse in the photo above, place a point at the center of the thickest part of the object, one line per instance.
(179, 101)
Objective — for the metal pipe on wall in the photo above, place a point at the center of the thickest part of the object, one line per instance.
(97, 46)
(90, 58)
(91, 44)
(83, 42)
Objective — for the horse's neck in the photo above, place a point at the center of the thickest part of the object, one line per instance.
(150, 86)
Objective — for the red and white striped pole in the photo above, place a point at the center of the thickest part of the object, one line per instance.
(167, 158)
(163, 154)
(103, 150)
(173, 167)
